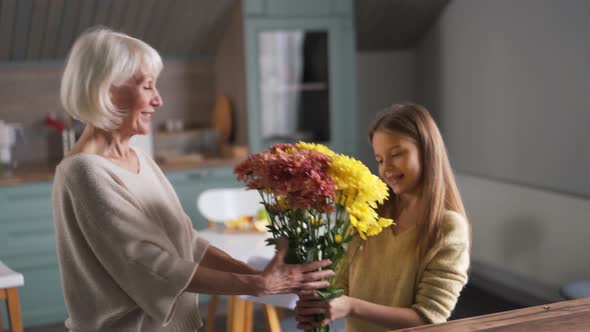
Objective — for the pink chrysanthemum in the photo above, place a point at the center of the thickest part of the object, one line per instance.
(300, 176)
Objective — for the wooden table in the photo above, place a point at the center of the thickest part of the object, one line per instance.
(241, 246)
(9, 282)
(567, 316)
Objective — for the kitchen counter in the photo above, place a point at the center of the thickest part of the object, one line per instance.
(41, 173)
(28, 174)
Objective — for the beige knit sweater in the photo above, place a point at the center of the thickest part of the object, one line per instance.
(388, 272)
(126, 248)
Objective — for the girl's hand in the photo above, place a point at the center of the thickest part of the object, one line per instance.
(279, 278)
(311, 304)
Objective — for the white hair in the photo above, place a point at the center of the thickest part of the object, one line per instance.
(99, 60)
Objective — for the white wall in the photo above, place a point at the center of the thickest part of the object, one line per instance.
(383, 78)
(509, 82)
(533, 233)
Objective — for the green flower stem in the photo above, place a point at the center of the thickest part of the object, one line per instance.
(348, 260)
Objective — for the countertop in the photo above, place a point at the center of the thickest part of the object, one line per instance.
(44, 172)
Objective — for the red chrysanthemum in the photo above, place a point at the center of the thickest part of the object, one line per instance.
(300, 176)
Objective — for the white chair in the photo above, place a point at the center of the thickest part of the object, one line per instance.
(218, 205)
(221, 204)
(9, 282)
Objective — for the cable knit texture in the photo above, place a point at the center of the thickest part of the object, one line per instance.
(126, 248)
(388, 272)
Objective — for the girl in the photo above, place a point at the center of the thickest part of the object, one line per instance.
(411, 273)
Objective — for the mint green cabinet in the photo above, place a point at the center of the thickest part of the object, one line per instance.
(300, 69)
(27, 245)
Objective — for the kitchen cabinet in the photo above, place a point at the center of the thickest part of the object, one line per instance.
(27, 245)
(27, 237)
(300, 72)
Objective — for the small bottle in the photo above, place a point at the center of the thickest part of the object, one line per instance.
(68, 137)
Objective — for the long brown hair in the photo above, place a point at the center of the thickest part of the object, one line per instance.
(439, 189)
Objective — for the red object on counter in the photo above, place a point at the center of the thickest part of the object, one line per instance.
(54, 123)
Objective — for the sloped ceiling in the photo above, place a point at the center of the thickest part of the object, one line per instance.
(44, 30)
(38, 30)
(394, 24)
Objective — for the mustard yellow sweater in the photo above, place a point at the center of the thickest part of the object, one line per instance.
(388, 272)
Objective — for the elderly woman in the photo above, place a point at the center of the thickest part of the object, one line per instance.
(128, 255)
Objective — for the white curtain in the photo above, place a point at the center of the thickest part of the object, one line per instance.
(281, 65)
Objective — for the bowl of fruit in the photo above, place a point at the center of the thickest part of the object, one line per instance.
(255, 223)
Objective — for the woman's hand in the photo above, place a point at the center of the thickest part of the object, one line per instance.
(311, 304)
(279, 277)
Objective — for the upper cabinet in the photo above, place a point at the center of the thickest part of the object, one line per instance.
(300, 72)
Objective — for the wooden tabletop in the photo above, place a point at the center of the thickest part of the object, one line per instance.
(567, 316)
(239, 245)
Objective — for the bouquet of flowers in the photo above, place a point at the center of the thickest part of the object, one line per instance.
(320, 200)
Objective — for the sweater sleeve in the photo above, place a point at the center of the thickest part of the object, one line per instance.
(200, 246)
(445, 273)
(129, 244)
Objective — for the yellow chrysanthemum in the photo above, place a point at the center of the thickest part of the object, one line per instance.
(360, 226)
(315, 221)
(362, 211)
(362, 235)
(338, 238)
(374, 229)
(315, 147)
(385, 222)
(356, 182)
